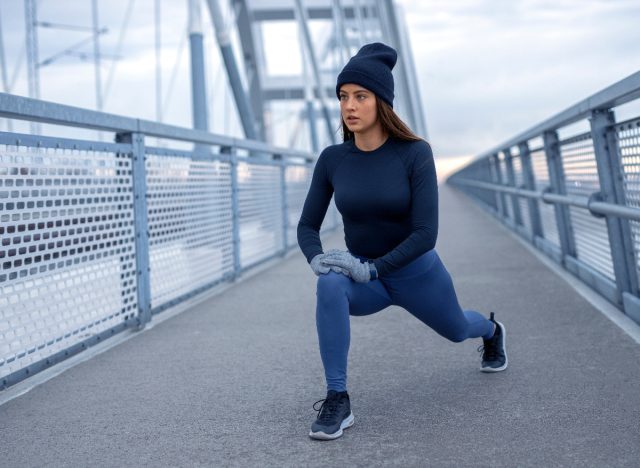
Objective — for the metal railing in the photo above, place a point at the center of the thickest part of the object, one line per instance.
(98, 237)
(578, 198)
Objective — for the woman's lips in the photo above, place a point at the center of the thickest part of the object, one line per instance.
(352, 119)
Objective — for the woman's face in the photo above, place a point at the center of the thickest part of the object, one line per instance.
(358, 108)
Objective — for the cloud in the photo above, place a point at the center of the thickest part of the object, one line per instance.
(491, 69)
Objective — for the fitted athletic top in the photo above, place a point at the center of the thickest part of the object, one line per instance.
(388, 199)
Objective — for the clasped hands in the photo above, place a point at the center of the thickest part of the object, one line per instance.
(343, 262)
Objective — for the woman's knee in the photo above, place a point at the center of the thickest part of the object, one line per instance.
(331, 284)
(457, 336)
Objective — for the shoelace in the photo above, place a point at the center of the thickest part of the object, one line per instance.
(490, 348)
(330, 407)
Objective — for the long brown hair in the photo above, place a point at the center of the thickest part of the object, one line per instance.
(391, 124)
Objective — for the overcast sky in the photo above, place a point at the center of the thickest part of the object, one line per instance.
(488, 69)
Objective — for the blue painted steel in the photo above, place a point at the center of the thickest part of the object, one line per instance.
(285, 215)
(529, 183)
(22, 108)
(301, 15)
(38, 141)
(131, 143)
(612, 191)
(224, 44)
(615, 180)
(511, 180)
(234, 206)
(141, 229)
(497, 178)
(557, 181)
(198, 93)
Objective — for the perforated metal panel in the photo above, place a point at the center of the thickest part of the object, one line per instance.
(547, 211)
(480, 171)
(581, 172)
(504, 178)
(260, 211)
(522, 202)
(190, 223)
(483, 173)
(66, 224)
(628, 136)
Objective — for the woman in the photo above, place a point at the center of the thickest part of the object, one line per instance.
(384, 180)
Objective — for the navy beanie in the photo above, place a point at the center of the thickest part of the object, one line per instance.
(371, 68)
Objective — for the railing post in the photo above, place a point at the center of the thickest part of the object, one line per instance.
(496, 177)
(612, 191)
(285, 219)
(530, 184)
(235, 209)
(557, 181)
(141, 224)
(511, 180)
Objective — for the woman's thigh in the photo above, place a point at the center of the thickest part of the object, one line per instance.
(363, 298)
(431, 297)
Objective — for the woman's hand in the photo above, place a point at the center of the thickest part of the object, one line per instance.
(320, 268)
(357, 270)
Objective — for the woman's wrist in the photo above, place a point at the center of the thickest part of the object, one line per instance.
(373, 272)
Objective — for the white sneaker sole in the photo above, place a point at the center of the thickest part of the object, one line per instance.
(348, 422)
(506, 359)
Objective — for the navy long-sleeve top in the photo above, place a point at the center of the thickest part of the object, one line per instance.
(388, 199)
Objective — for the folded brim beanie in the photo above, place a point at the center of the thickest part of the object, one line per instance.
(371, 68)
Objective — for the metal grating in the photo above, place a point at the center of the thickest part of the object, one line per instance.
(547, 211)
(506, 197)
(522, 202)
(66, 224)
(628, 136)
(260, 218)
(482, 172)
(190, 224)
(581, 172)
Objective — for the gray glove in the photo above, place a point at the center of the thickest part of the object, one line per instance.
(359, 271)
(321, 269)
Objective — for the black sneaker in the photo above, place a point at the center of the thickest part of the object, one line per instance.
(494, 358)
(334, 415)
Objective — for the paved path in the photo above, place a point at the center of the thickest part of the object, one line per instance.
(231, 381)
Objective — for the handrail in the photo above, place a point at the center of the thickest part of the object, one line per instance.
(603, 249)
(33, 110)
(589, 203)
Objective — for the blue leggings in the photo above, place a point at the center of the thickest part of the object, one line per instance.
(423, 287)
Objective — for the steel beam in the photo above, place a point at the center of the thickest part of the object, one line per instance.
(557, 181)
(198, 91)
(141, 225)
(496, 175)
(224, 43)
(251, 64)
(303, 20)
(612, 191)
(530, 184)
(338, 18)
(511, 181)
